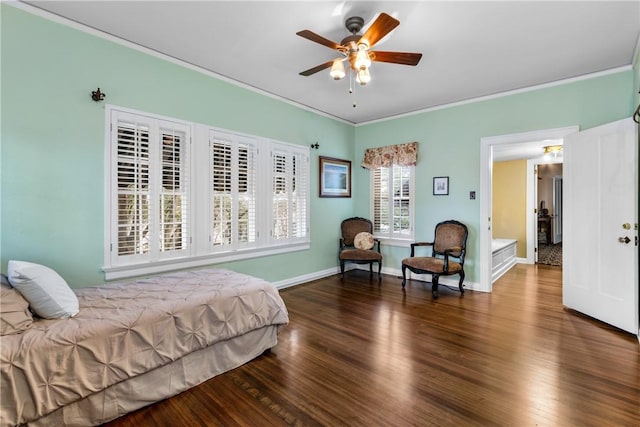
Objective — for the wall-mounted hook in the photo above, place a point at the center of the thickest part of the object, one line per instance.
(316, 145)
(636, 115)
(97, 96)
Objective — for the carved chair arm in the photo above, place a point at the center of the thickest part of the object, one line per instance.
(413, 246)
(454, 249)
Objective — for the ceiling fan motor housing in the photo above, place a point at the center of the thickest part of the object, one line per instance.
(354, 24)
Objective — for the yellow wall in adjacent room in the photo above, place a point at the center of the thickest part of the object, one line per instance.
(509, 203)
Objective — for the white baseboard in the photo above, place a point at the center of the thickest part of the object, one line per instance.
(293, 281)
(444, 281)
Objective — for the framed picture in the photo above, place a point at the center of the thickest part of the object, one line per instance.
(335, 177)
(440, 185)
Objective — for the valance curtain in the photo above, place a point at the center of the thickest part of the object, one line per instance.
(400, 154)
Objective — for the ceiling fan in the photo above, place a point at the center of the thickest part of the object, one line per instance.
(357, 51)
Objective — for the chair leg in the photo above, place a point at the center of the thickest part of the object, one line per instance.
(460, 282)
(370, 269)
(379, 270)
(404, 275)
(434, 286)
(342, 269)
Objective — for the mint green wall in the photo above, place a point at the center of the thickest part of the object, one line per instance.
(52, 139)
(450, 146)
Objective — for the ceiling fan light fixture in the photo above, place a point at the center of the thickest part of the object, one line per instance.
(362, 58)
(337, 70)
(363, 76)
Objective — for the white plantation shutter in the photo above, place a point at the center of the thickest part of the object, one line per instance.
(132, 190)
(221, 191)
(150, 189)
(280, 200)
(290, 195)
(233, 190)
(172, 203)
(392, 201)
(247, 230)
(174, 191)
(401, 216)
(381, 200)
(300, 216)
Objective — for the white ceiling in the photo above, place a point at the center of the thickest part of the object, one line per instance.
(470, 49)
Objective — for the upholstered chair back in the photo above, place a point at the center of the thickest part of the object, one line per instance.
(352, 226)
(447, 235)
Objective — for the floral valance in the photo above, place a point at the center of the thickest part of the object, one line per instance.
(400, 154)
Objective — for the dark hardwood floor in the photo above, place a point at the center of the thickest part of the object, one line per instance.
(365, 353)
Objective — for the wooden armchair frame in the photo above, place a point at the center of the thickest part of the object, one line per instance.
(450, 240)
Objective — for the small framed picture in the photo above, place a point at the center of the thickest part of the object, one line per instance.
(440, 185)
(335, 177)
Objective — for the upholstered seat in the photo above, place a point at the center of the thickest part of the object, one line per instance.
(432, 264)
(357, 244)
(450, 241)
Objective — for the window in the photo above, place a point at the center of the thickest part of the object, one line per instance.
(392, 201)
(233, 191)
(181, 195)
(290, 194)
(151, 189)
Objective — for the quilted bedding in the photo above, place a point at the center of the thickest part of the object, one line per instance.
(124, 330)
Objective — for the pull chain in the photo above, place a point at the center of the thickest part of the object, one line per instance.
(352, 88)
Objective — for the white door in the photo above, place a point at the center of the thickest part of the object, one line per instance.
(600, 276)
(557, 210)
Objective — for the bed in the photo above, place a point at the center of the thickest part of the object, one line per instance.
(503, 257)
(135, 343)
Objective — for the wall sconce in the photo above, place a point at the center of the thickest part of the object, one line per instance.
(98, 96)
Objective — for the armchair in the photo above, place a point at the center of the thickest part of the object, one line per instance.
(450, 241)
(359, 248)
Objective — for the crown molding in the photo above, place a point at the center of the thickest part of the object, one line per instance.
(97, 33)
(34, 10)
(503, 94)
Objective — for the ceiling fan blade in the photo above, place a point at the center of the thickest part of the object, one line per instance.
(317, 68)
(310, 35)
(380, 28)
(403, 58)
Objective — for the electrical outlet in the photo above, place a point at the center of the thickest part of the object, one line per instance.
(472, 195)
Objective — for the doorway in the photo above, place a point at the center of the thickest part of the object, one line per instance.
(489, 146)
(549, 213)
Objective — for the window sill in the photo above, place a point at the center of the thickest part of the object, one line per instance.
(386, 241)
(148, 268)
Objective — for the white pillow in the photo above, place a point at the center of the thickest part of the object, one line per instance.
(363, 240)
(48, 294)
